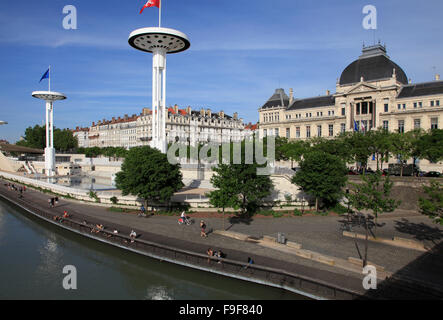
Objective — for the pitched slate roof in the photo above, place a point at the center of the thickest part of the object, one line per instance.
(421, 89)
(279, 98)
(315, 102)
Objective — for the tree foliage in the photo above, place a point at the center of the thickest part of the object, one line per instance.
(322, 176)
(35, 137)
(146, 173)
(432, 204)
(239, 186)
(373, 194)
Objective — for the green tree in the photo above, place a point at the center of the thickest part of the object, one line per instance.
(322, 176)
(403, 147)
(373, 194)
(241, 184)
(146, 173)
(380, 145)
(432, 204)
(429, 146)
(35, 137)
(64, 140)
(225, 196)
(294, 150)
(359, 147)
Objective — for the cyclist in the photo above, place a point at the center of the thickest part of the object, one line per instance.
(184, 218)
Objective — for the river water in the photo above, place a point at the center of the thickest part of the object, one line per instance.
(33, 254)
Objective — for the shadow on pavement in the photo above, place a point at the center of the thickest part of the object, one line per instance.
(421, 279)
(420, 231)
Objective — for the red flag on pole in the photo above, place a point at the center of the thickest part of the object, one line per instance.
(151, 3)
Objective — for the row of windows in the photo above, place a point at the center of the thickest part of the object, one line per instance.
(330, 132)
(417, 104)
(417, 124)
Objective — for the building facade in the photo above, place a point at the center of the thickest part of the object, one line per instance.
(182, 125)
(372, 92)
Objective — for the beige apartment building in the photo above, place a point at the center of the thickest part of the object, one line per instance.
(372, 92)
(182, 125)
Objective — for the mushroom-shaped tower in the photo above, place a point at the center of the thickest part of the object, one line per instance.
(49, 97)
(159, 42)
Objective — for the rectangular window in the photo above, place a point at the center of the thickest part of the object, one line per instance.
(420, 104)
(437, 103)
(432, 103)
(297, 132)
(386, 125)
(404, 106)
(415, 105)
(434, 123)
(331, 130)
(401, 126)
(357, 110)
(399, 106)
(318, 131)
(265, 132)
(308, 131)
(364, 108)
(343, 127)
(277, 132)
(343, 111)
(386, 107)
(416, 124)
(288, 133)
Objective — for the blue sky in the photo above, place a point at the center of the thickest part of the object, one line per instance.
(241, 51)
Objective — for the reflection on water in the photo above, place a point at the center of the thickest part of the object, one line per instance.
(81, 182)
(33, 254)
(158, 293)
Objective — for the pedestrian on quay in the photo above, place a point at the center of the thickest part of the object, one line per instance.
(203, 229)
(210, 253)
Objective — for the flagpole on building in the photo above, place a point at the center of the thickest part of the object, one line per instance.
(49, 78)
(160, 15)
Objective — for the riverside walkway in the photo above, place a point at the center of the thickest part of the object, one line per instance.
(318, 234)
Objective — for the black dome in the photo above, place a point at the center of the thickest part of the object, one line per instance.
(372, 65)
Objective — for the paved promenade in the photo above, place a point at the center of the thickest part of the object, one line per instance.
(315, 233)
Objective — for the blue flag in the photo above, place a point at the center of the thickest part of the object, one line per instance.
(45, 76)
(355, 126)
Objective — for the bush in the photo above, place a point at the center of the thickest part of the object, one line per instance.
(93, 195)
(297, 213)
(114, 200)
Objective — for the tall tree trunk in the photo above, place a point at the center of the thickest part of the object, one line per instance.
(316, 204)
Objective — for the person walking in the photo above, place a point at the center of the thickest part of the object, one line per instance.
(203, 229)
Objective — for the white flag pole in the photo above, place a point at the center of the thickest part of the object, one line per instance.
(160, 15)
(49, 78)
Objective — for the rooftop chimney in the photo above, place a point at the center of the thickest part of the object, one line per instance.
(437, 77)
(188, 110)
(328, 92)
(291, 96)
(235, 115)
(208, 112)
(176, 109)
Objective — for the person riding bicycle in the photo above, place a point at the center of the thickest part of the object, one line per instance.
(184, 218)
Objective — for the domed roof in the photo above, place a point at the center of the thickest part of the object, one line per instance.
(373, 64)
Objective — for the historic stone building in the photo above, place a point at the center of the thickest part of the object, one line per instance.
(182, 125)
(372, 92)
